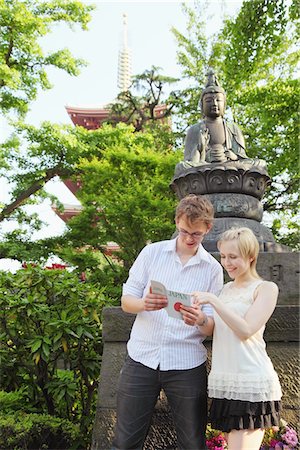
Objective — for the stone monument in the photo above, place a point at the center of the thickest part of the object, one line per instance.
(216, 165)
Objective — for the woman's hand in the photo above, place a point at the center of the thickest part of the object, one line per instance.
(194, 316)
(202, 298)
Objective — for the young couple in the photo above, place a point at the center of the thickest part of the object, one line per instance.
(167, 353)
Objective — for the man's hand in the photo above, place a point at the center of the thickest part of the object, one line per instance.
(154, 302)
(192, 314)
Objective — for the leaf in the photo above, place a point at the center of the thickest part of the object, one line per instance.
(37, 358)
(46, 350)
(64, 344)
(89, 335)
(96, 317)
(36, 345)
(57, 337)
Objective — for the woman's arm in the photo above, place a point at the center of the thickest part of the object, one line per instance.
(195, 317)
(257, 315)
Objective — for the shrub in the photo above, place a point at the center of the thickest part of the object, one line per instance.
(37, 431)
(51, 329)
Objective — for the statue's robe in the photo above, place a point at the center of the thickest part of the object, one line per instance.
(234, 140)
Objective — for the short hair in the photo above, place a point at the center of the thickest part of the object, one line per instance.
(247, 244)
(195, 208)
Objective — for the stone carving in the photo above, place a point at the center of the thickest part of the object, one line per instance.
(221, 224)
(214, 178)
(216, 164)
(276, 273)
(238, 205)
(213, 139)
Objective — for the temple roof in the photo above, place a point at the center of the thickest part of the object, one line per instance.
(88, 117)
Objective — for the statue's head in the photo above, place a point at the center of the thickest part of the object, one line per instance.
(213, 97)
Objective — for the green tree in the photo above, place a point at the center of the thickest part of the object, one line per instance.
(23, 62)
(255, 55)
(126, 199)
(27, 162)
(125, 196)
(54, 150)
(36, 155)
(144, 105)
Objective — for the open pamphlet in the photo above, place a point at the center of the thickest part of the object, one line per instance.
(175, 299)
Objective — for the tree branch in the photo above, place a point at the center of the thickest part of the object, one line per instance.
(36, 186)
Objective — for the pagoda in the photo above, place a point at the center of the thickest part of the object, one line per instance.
(92, 118)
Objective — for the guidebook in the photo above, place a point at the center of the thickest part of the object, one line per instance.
(175, 299)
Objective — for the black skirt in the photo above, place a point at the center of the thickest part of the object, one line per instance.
(227, 415)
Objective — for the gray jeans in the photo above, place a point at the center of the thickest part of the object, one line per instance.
(138, 390)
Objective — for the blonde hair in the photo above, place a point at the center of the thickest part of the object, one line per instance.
(247, 244)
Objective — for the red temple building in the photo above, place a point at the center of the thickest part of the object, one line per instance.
(90, 118)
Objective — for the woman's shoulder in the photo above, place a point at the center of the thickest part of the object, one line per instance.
(264, 284)
(267, 288)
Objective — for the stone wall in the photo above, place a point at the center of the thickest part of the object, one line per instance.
(281, 335)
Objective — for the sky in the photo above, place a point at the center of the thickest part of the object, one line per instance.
(151, 43)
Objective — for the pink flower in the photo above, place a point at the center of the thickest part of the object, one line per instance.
(216, 443)
(274, 442)
(290, 437)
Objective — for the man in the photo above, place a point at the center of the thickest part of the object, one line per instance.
(163, 352)
(213, 139)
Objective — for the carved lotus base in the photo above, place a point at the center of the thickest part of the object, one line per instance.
(238, 177)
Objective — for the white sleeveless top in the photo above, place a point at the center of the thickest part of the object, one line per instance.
(241, 369)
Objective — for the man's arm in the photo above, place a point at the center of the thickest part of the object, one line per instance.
(217, 280)
(132, 304)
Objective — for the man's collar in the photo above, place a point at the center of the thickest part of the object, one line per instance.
(201, 254)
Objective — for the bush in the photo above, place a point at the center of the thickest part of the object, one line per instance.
(52, 344)
(13, 401)
(36, 432)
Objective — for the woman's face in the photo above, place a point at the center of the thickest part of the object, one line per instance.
(231, 259)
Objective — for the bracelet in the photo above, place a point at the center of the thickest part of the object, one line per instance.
(203, 322)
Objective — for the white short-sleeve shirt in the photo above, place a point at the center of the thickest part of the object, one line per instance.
(157, 339)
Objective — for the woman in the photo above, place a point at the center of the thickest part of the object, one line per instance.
(243, 384)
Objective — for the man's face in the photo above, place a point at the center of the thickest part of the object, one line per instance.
(190, 235)
(213, 104)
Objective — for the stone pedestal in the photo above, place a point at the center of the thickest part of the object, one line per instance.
(263, 234)
(235, 188)
(282, 337)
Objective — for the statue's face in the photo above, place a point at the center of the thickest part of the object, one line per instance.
(213, 104)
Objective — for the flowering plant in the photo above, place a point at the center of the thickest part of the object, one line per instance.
(275, 438)
(280, 438)
(215, 439)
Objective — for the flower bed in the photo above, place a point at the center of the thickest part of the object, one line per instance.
(275, 438)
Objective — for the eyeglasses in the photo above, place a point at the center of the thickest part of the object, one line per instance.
(196, 236)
